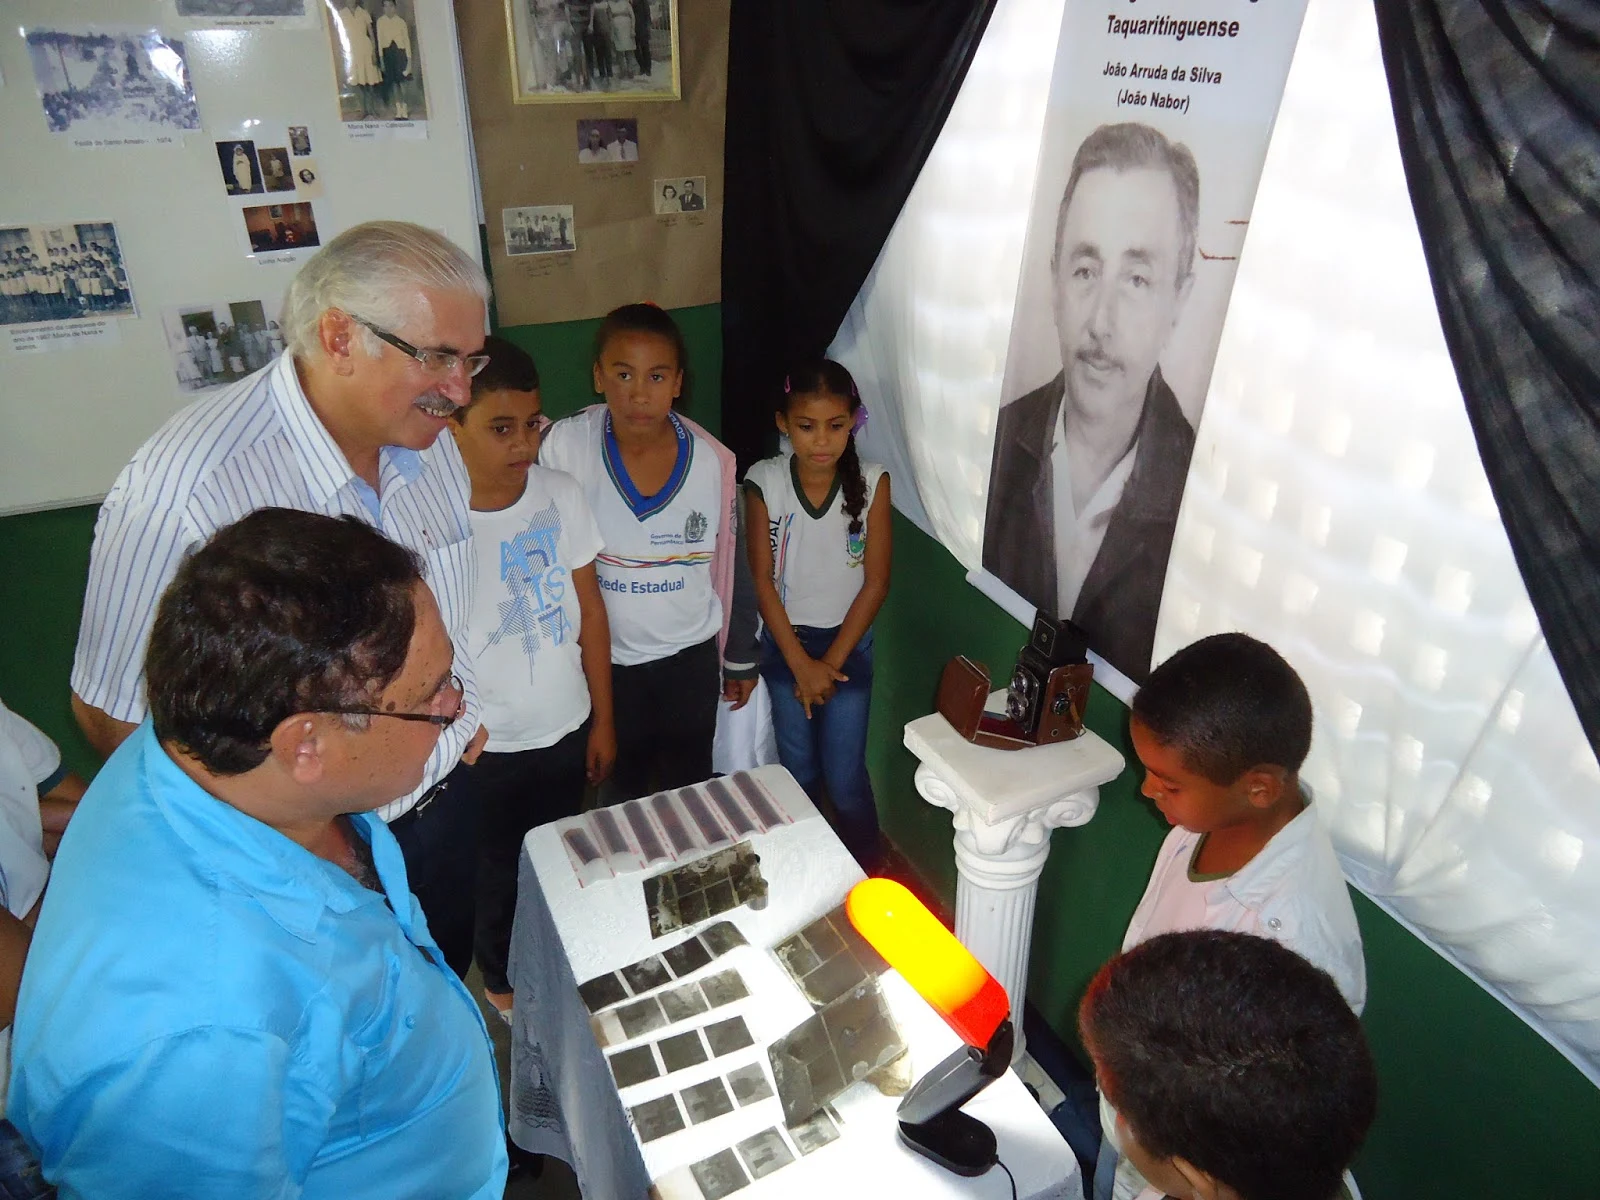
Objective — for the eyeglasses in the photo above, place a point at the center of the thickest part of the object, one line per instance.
(454, 684)
(439, 361)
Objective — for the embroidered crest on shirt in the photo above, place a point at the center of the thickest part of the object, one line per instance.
(694, 528)
(855, 544)
(535, 584)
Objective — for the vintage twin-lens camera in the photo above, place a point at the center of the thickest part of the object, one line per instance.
(1044, 701)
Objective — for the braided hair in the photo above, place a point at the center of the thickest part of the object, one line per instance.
(825, 377)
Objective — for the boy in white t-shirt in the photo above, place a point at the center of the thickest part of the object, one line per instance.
(538, 635)
(1221, 729)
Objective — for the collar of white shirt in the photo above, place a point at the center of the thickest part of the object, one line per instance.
(1078, 536)
(327, 470)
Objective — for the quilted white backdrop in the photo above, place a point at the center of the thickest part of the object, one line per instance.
(1336, 504)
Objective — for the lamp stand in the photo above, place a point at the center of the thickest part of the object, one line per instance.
(957, 1142)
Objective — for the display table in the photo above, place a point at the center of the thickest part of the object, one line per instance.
(1004, 803)
(565, 1102)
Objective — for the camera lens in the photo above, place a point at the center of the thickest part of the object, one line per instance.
(1019, 696)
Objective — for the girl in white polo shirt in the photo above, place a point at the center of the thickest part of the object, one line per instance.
(538, 636)
(663, 491)
(817, 525)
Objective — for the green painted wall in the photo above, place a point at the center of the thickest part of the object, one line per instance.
(1473, 1104)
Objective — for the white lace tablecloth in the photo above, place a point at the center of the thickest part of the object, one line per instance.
(564, 1101)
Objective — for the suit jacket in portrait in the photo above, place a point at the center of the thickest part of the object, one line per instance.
(1121, 596)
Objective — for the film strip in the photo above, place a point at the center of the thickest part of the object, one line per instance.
(637, 978)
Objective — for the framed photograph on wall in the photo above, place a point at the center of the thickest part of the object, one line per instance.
(582, 50)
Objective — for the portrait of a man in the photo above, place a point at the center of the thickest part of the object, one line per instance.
(1089, 469)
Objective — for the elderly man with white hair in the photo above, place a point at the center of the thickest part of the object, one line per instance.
(384, 328)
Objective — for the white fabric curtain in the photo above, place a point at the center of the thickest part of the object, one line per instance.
(1336, 505)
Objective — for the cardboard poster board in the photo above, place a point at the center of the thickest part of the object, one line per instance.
(615, 248)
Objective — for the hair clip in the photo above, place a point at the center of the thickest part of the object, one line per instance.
(860, 422)
(786, 385)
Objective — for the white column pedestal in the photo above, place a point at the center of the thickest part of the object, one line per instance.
(1004, 805)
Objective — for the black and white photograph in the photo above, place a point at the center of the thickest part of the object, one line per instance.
(546, 229)
(307, 178)
(130, 87)
(377, 60)
(720, 1175)
(272, 227)
(299, 141)
(764, 1152)
(62, 273)
(606, 141)
(275, 171)
(213, 344)
(633, 1066)
(722, 937)
(1089, 466)
(241, 173)
(571, 50)
(682, 1050)
(706, 1101)
(679, 195)
(657, 1118)
(749, 1084)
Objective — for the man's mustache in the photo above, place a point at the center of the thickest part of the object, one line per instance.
(1099, 360)
(436, 404)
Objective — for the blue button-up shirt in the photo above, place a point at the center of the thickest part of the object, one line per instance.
(211, 1010)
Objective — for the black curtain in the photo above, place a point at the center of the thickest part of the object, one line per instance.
(1497, 104)
(833, 106)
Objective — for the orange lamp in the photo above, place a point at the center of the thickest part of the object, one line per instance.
(945, 974)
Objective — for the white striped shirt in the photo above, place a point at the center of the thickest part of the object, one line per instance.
(254, 445)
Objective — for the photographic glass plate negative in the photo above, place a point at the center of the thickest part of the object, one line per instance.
(633, 1066)
(828, 957)
(814, 1133)
(847, 1040)
(707, 1101)
(699, 890)
(646, 974)
(725, 1037)
(724, 987)
(682, 1050)
(764, 1152)
(641, 1018)
(683, 1003)
(602, 991)
(720, 1175)
(749, 1084)
(658, 1117)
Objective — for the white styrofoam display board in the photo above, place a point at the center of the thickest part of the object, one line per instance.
(74, 415)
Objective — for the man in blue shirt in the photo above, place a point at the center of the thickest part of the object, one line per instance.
(231, 991)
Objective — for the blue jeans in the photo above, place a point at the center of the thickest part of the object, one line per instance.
(20, 1178)
(828, 752)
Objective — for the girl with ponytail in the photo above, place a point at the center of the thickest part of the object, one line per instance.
(817, 529)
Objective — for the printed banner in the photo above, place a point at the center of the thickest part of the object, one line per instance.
(1153, 144)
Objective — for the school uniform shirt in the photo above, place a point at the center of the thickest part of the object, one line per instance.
(817, 563)
(655, 569)
(525, 620)
(255, 444)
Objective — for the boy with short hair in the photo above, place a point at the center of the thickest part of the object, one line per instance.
(539, 636)
(1238, 1070)
(1222, 728)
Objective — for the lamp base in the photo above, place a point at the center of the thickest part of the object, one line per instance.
(957, 1142)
